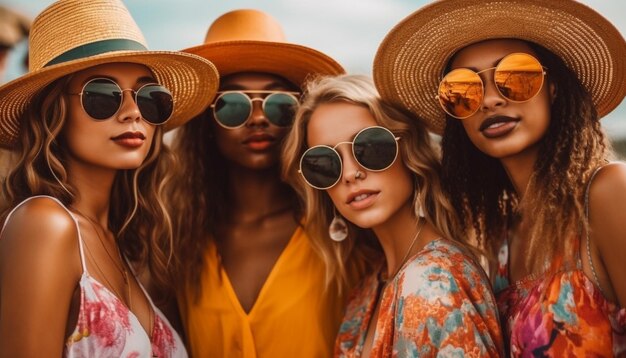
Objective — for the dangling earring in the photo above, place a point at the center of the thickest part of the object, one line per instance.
(417, 202)
(338, 229)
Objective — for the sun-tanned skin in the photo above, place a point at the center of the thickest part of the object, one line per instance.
(40, 266)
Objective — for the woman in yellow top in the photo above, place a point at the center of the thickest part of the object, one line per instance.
(251, 283)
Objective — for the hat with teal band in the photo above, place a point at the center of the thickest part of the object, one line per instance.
(72, 35)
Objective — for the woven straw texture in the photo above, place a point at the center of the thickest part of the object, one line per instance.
(410, 61)
(68, 24)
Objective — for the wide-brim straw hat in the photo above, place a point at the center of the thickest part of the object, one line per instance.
(72, 35)
(252, 41)
(409, 63)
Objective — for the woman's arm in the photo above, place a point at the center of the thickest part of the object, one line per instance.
(39, 270)
(607, 218)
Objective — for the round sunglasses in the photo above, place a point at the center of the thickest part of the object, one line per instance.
(518, 77)
(101, 99)
(374, 148)
(232, 109)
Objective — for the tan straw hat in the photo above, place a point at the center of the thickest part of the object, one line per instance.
(253, 41)
(72, 35)
(411, 59)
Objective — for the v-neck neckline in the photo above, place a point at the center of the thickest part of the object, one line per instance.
(268, 281)
(132, 314)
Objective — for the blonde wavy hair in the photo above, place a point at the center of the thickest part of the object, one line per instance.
(355, 255)
(138, 216)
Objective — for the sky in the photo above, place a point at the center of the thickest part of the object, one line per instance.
(347, 30)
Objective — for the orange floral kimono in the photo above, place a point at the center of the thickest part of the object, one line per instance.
(439, 304)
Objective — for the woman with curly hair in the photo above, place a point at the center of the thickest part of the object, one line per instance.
(86, 195)
(525, 162)
(352, 155)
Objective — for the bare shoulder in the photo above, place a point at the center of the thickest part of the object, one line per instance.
(607, 214)
(610, 181)
(40, 222)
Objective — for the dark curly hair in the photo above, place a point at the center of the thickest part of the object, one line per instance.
(483, 195)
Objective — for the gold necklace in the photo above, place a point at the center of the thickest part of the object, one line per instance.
(110, 286)
(408, 251)
(122, 270)
(120, 267)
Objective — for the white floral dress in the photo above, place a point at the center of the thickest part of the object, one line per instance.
(107, 328)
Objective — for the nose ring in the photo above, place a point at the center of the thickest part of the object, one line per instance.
(358, 174)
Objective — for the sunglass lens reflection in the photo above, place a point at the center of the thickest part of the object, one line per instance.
(155, 103)
(519, 77)
(321, 167)
(461, 93)
(101, 99)
(232, 109)
(279, 108)
(375, 148)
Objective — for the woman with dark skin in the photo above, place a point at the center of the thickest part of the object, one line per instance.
(251, 282)
(526, 165)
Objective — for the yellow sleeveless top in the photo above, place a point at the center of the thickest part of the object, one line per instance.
(293, 316)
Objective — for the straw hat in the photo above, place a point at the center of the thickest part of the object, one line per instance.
(72, 35)
(253, 41)
(13, 27)
(411, 59)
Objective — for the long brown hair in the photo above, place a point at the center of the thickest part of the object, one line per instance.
(199, 200)
(356, 254)
(138, 217)
(197, 194)
(573, 146)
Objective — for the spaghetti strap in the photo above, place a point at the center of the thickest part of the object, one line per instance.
(587, 239)
(80, 238)
(143, 289)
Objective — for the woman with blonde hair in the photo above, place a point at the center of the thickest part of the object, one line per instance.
(351, 155)
(86, 195)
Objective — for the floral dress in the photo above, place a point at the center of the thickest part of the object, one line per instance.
(107, 328)
(558, 315)
(439, 304)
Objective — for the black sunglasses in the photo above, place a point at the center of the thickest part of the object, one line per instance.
(101, 98)
(232, 109)
(374, 148)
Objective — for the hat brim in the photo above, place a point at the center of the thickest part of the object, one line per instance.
(409, 63)
(293, 62)
(192, 80)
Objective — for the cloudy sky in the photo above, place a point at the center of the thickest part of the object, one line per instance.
(347, 30)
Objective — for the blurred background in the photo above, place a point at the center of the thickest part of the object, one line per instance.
(347, 30)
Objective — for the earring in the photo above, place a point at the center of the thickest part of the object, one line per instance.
(338, 229)
(417, 203)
